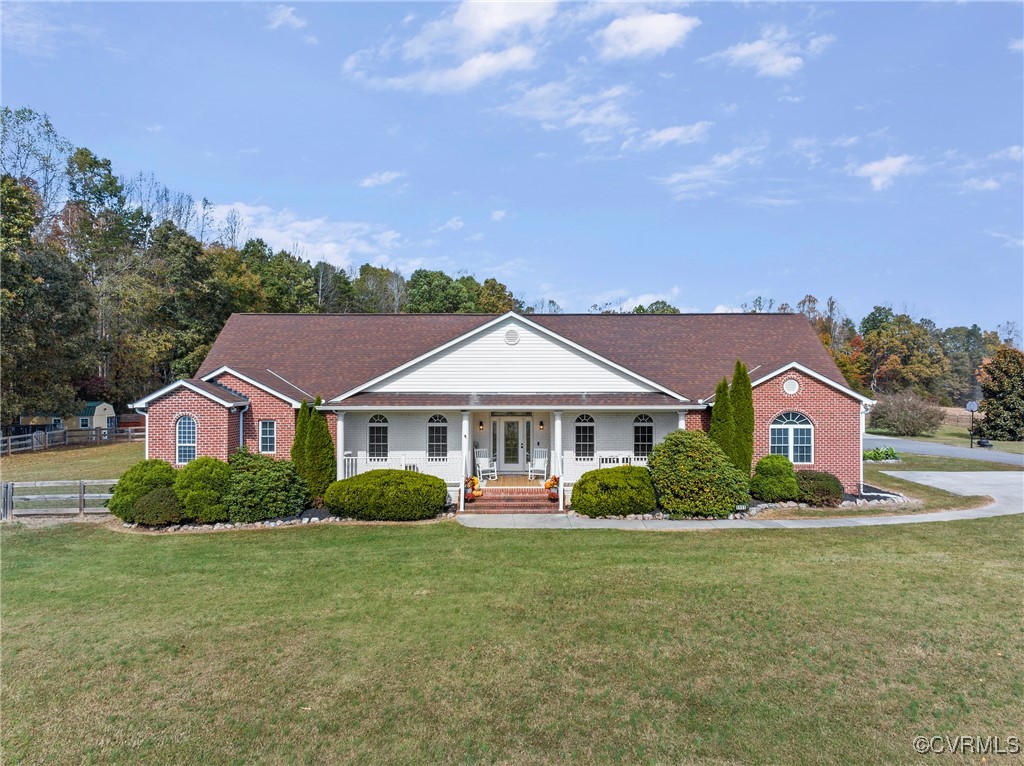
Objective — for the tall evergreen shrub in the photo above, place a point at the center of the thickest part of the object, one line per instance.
(320, 465)
(723, 428)
(742, 398)
(298, 453)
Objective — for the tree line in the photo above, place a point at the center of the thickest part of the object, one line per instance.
(111, 287)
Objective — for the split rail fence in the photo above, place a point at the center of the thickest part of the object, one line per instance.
(46, 498)
(38, 440)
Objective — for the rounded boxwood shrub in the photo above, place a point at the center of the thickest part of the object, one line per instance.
(774, 480)
(141, 479)
(615, 491)
(388, 495)
(263, 488)
(158, 508)
(819, 488)
(693, 477)
(200, 487)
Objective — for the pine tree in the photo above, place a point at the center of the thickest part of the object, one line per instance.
(742, 399)
(723, 428)
(299, 443)
(320, 468)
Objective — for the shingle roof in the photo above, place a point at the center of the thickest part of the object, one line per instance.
(329, 354)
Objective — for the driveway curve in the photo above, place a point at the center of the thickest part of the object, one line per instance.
(1006, 488)
(943, 450)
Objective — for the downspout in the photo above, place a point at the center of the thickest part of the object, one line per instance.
(241, 426)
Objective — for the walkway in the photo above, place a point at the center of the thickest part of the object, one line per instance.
(943, 450)
(1005, 487)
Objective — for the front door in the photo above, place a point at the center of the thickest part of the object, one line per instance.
(512, 435)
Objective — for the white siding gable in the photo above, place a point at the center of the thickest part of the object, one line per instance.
(486, 363)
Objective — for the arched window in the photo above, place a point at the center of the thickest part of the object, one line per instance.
(185, 432)
(643, 435)
(437, 437)
(792, 435)
(377, 442)
(584, 436)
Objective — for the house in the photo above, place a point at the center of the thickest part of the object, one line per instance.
(574, 392)
(92, 415)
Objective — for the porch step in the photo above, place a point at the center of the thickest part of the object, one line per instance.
(512, 500)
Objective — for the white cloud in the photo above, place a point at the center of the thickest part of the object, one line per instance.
(452, 224)
(381, 178)
(311, 40)
(882, 172)
(981, 184)
(475, 26)
(598, 116)
(468, 74)
(775, 54)
(498, 215)
(478, 237)
(341, 243)
(30, 29)
(678, 134)
(1017, 44)
(1007, 240)
(155, 127)
(644, 35)
(706, 179)
(284, 16)
(1012, 153)
(724, 308)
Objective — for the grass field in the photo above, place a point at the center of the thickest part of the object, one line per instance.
(440, 644)
(955, 436)
(107, 462)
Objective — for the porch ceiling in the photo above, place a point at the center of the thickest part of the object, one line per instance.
(511, 401)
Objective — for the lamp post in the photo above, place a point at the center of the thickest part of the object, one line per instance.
(972, 407)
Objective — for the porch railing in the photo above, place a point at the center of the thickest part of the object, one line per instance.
(448, 468)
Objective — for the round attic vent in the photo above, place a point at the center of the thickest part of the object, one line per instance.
(790, 386)
(511, 337)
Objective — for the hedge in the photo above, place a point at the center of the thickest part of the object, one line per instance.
(201, 486)
(158, 508)
(819, 488)
(693, 477)
(615, 491)
(141, 479)
(774, 480)
(263, 488)
(388, 495)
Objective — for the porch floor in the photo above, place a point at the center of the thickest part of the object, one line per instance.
(513, 480)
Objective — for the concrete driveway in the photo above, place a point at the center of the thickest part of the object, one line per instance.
(942, 450)
(1006, 488)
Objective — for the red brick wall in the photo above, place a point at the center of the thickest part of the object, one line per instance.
(213, 425)
(836, 419)
(698, 420)
(263, 406)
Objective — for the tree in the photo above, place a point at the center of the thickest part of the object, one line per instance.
(496, 298)
(723, 427)
(434, 292)
(378, 290)
(1002, 386)
(36, 156)
(334, 291)
(902, 353)
(320, 464)
(657, 307)
(742, 399)
(298, 453)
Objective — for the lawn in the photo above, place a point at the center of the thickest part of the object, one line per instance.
(439, 644)
(955, 436)
(106, 462)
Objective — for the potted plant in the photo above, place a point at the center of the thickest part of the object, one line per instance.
(473, 490)
(551, 485)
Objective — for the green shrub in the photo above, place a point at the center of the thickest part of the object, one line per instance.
(722, 430)
(298, 452)
(819, 488)
(617, 491)
(263, 488)
(141, 479)
(774, 480)
(693, 477)
(388, 495)
(320, 467)
(157, 508)
(906, 414)
(200, 487)
(743, 417)
(881, 453)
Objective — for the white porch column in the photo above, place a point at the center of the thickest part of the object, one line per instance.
(465, 460)
(558, 460)
(682, 420)
(340, 450)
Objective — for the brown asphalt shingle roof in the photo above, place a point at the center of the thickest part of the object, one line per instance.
(329, 354)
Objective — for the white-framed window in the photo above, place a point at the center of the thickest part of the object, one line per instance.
(58, 423)
(437, 438)
(792, 435)
(643, 435)
(185, 431)
(584, 436)
(111, 421)
(83, 422)
(268, 436)
(377, 437)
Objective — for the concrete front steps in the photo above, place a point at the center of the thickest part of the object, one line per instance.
(512, 500)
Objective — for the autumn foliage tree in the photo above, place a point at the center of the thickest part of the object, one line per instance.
(1002, 386)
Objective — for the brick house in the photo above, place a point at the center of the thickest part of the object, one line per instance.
(550, 394)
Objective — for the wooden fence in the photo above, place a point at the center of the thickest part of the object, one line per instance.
(38, 440)
(44, 498)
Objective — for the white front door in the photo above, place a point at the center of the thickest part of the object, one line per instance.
(512, 434)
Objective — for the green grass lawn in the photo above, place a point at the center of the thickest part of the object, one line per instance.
(105, 462)
(439, 644)
(955, 436)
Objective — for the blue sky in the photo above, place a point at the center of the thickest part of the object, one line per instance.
(701, 154)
